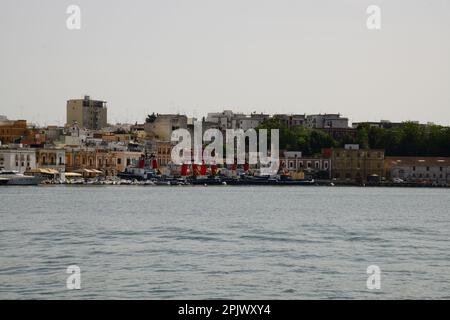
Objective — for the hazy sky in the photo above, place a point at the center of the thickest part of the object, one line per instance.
(195, 56)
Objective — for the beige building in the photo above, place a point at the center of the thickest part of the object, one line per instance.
(426, 170)
(87, 113)
(163, 125)
(108, 162)
(51, 158)
(354, 165)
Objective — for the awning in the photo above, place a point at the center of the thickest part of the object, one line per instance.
(94, 171)
(43, 171)
(72, 174)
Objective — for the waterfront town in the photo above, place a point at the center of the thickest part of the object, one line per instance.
(318, 149)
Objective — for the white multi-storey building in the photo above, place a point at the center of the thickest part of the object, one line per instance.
(17, 159)
(325, 121)
(431, 170)
(229, 120)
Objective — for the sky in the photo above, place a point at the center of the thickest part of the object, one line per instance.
(200, 56)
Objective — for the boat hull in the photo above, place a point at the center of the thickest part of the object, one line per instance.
(24, 181)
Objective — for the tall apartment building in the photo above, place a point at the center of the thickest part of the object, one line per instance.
(87, 113)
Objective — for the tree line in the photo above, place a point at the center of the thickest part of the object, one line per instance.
(406, 139)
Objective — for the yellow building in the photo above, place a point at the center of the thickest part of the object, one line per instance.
(354, 165)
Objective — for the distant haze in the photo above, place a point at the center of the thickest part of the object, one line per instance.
(199, 56)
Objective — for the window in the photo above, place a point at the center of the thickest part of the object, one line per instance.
(119, 161)
(317, 165)
(414, 168)
(428, 168)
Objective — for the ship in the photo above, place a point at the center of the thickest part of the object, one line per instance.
(14, 178)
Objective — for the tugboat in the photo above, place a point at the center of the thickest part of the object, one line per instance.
(139, 172)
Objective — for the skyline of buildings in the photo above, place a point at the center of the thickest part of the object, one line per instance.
(87, 146)
(93, 114)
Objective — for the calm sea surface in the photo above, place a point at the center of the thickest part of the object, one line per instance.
(224, 242)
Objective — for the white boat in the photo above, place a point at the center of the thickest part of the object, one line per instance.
(13, 178)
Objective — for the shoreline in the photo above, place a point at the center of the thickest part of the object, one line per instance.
(409, 186)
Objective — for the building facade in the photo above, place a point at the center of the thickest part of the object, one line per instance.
(230, 120)
(17, 159)
(312, 167)
(12, 131)
(108, 162)
(162, 126)
(163, 153)
(426, 170)
(323, 121)
(354, 165)
(87, 113)
(291, 120)
(51, 158)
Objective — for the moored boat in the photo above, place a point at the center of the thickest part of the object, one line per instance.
(13, 178)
